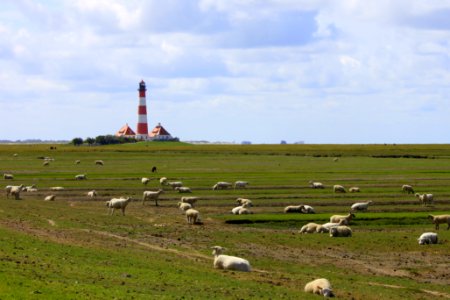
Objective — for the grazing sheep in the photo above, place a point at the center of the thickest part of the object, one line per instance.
(99, 162)
(361, 206)
(80, 177)
(183, 206)
(338, 218)
(428, 238)
(151, 195)
(15, 191)
(50, 198)
(425, 198)
(8, 176)
(190, 200)
(340, 231)
(163, 181)
(240, 184)
(175, 184)
(57, 188)
(118, 203)
(221, 185)
(320, 287)
(183, 189)
(440, 219)
(145, 180)
(293, 209)
(309, 228)
(307, 209)
(46, 163)
(241, 201)
(92, 194)
(316, 185)
(77, 162)
(227, 262)
(408, 189)
(9, 188)
(354, 189)
(338, 188)
(192, 216)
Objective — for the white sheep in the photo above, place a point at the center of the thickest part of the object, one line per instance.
(163, 181)
(183, 206)
(428, 238)
(316, 185)
(8, 176)
(151, 195)
(221, 185)
(440, 219)
(408, 189)
(340, 231)
(77, 162)
(15, 191)
(92, 194)
(192, 216)
(57, 188)
(307, 209)
(183, 189)
(118, 203)
(244, 211)
(145, 180)
(336, 159)
(227, 262)
(99, 162)
(175, 184)
(309, 228)
(361, 206)
(46, 163)
(325, 228)
(320, 287)
(29, 188)
(80, 177)
(346, 218)
(235, 210)
(338, 188)
(240, 184)
(50, 198)
(425, 198)
(190, 200)
(8, 189)
(293, 209)
(354, 189)
(241, 201)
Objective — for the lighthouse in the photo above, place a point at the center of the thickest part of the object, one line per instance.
(142, 128)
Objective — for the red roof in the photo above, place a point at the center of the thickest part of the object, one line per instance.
(158, 131)
(125, 131)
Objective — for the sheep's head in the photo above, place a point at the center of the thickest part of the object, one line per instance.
(327, 293)
(217, 250)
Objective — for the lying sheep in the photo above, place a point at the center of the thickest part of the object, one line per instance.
(241, 201)
(221, 185)
(309, 228)
(240, 184)
(183, 189)
(316, 185)
(50, 198)
(163, 181)
(175, 184)
(77, 162)
(118, 203)
(338, 188)
(425, 198)
(307, 209)
(190, 200)
(192, 216)
(244, 211)
(151, 195)
(354, 189)
(346, 218)
(340, 231)
(440, 219)
(92, 194)
(46, 163)
(227, 262)
(236, 210)
(408, 189)
(99, 162)
(145, 180)
(320, 287)
(293, 209)
(361, 206)
(183, 206)
(8, 176)
(29, 188)
(428, 238)
(80, 177)
(325, 228)
(57, 188)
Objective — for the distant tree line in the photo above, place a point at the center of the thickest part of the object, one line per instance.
(102, 140)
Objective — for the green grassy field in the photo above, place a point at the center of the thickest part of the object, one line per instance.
(71, 248)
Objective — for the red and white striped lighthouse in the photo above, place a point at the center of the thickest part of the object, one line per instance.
(142, 128)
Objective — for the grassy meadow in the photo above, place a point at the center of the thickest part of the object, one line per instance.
(72, 249)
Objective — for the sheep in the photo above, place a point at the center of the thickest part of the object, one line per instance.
(340, 231)
(306, 209)
(184, 206)
(151, 195)
(338, 218)
(118, 203)
(145, 180)
(92, 194)
(235, 210)
(428, 238)
(361, 206)
(325, 228)
(227, 262)
(80, 177)
(408, 189)
(183, 189)
(221, 185)
(293, 209)
(15, 191)
(8, 176)
(99, 162)
(440, 219)
(46, 163)
(77, 162)
(8, 189)
(50, 198)
(309, 228)
(189, 200)
(241, 201)
(57, 188)
(244, 211)
(354, 189)
(425, 198)
(335, 159)
(320, 286)
(316, 185)
(192, 216)
(338, 188)
(30, 188)
(163, 181)
(175, 184)
(240, 184)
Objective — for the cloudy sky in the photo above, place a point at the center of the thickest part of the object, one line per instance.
(349, 71)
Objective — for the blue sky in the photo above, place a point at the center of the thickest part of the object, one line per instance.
(368, 71)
